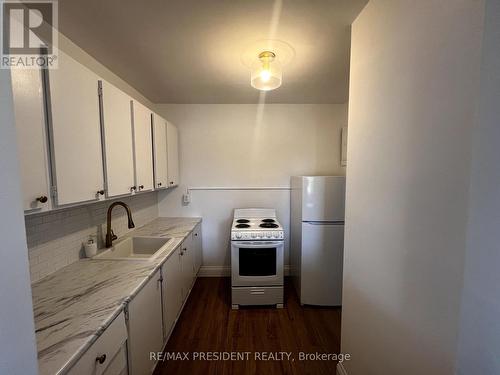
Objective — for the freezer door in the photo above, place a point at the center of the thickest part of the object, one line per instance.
(322, 262)
(323, 198)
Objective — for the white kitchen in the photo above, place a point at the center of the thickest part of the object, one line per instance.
(235, 187)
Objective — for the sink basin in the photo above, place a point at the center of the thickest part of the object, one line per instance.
(135, 248)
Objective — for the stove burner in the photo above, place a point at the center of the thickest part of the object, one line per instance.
(268, 225)
(242, 221)
(268, 220)
(242, 226)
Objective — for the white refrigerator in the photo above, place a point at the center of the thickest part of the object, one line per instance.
(317, 238)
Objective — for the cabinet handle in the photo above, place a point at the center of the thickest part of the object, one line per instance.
(171, 182)
(42, 199)
(159, 183)
(100, 192)
(141, 187)
(133, 188)
(101, 359)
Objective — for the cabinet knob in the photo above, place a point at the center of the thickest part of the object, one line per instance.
(42, 199)
(141, 187)
(133, 188)
(100, 192)
(101, 359)
(171, 182)
(159, 183)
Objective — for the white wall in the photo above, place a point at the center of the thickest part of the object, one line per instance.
(17, 329)
(479, 345)
(247, 146)
(413, 85)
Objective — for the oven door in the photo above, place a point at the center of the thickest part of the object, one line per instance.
(257, 263)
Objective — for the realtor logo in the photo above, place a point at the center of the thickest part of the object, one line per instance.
(29, 34)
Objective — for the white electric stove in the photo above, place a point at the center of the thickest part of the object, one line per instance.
(257, 243)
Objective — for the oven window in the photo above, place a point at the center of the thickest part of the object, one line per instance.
(257, 262)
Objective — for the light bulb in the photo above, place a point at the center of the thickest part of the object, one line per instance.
(265, 75)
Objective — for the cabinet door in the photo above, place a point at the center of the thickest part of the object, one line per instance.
(145, 327)
(27, 90)
(117, 132)
(187, 266)
(160, 152)
(173, 155)
(75, 132)
(143, 147)
(197, 246)
(172, 291)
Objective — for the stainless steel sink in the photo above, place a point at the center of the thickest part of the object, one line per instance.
(135, 248)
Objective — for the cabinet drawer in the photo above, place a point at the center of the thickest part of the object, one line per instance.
(257, 295)
(108, 347)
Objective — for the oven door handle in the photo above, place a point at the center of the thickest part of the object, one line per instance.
(257, 244)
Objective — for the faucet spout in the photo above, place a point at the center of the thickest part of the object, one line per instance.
(110, 235)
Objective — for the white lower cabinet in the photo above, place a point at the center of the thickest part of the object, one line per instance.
(108, 355)
(125, 347)
(197, 246)
(179, 274)
(187, 266)
(145, 327)
(172, 298)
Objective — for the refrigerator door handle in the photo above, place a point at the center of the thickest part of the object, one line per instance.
(324, 222)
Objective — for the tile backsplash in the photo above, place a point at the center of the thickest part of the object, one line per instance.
(55, 239)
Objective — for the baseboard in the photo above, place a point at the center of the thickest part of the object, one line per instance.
(341, 369)
(225, 271)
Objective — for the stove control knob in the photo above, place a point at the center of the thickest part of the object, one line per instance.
(253, 235)
(238, 235)
(276, 235)
(268, 234)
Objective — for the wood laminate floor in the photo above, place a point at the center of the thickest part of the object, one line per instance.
(207, 324)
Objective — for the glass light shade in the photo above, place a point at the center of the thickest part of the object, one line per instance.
(266, 75)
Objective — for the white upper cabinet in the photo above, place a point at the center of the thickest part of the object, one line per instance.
(27, 91)
(75, 132)
(117, 133)
(143, 147)
(160, 152)
(173, 155)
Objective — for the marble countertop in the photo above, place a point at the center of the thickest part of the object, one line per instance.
(74, 305)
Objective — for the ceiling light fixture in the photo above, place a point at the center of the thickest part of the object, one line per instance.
(266, 72)
(265, 58)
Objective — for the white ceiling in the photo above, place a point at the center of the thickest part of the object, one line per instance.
(189, 51)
